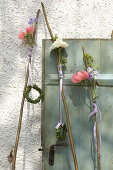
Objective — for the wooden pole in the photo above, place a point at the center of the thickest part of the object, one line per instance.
(64, 99)
(95, 119)
(22, 104)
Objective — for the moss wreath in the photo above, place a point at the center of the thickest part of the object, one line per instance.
(27, 91)
(61, 132)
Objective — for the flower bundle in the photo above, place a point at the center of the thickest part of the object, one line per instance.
(58, 45)
(27, 36)
(88, 77)
(61, 61)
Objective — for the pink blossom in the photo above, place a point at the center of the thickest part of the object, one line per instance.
(30, 30)
(21, 35)
(79, 76)
(89, 70)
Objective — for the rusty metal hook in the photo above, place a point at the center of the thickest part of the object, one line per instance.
(52, 151)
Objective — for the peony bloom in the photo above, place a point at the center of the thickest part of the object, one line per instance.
(79, 76)
(58, 43)
(21, 35)
(30, 30)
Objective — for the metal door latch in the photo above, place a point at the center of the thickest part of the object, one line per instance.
(52, 151)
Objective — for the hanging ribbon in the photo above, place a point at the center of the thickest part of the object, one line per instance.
(28, 60)
(96, 111)
(61, 130)
(60, 94)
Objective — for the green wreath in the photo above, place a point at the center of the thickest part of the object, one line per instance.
(61, 132)
(27, 91)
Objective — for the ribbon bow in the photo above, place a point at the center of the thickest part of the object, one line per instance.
(96, 111)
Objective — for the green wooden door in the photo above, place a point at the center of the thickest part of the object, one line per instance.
(78, 101)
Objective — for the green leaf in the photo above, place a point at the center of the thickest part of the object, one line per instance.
(55, 37)
(95, 96)
(63, 60)
(84, 68)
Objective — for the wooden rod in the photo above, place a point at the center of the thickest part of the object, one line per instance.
(69, 131)
(22, 104)
(44, 12)
(95, 119)
(64, 99)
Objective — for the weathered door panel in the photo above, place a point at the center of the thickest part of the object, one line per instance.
(79, 106)
(105, 104)
(106, 56)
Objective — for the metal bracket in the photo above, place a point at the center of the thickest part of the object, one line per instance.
(52, 151)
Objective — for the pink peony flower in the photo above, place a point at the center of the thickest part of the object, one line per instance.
(79, 76)
(30, 30)
(21, 35)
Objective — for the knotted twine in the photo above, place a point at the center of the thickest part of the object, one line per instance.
(96, 111)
